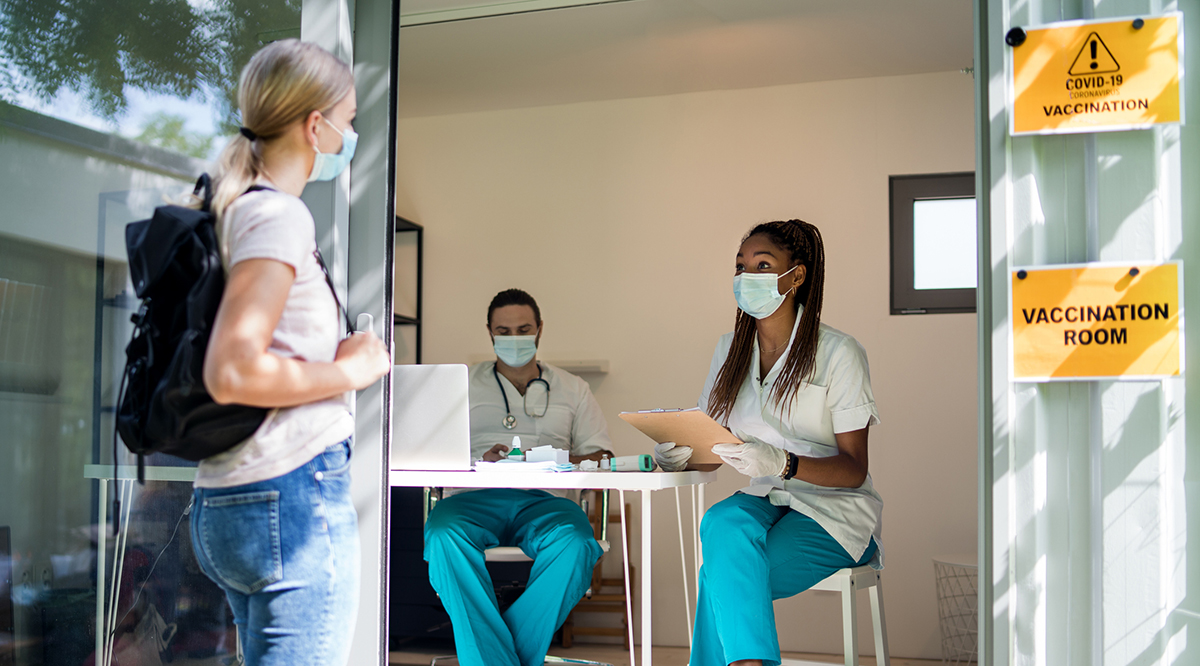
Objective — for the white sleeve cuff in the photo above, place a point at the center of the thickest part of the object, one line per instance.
(855, 418)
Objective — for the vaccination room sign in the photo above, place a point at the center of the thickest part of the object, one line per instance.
(1093, 76)
(1097, 321)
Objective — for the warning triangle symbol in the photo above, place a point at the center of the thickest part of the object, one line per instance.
(1094, 58)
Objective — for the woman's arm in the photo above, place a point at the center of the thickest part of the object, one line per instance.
(847, 469)
(239, 369)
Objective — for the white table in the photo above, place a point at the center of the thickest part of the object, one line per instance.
(645, 482)
(125, 480)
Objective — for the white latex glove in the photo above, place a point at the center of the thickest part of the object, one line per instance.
(672, 457)
(754, 459)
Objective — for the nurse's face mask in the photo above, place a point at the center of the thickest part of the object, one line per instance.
(758, 294)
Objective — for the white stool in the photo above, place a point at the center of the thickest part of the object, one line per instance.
(849, 582)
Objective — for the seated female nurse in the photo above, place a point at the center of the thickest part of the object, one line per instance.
(798, 393)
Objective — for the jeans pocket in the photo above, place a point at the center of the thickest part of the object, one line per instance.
(336, 459)
(241, 539)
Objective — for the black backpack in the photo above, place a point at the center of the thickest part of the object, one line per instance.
(163, 406)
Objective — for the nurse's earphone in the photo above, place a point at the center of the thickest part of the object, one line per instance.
(510, 421)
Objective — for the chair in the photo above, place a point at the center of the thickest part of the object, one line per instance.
(849, 581)
(515, 554)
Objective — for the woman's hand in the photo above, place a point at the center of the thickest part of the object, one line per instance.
(754, 459)
(496, 453)
(363, 358)
(671, 457)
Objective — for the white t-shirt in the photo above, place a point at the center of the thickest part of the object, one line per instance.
(274, 225)
(572, 422)
(838, 399)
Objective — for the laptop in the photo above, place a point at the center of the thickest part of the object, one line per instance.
(431, 423)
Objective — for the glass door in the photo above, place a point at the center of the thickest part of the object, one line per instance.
(106, 109)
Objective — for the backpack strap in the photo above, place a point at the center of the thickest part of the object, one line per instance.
(204, 183)
(329, 281)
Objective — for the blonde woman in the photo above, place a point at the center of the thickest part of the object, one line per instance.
(272, 522)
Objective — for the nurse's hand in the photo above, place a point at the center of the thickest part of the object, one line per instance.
(672, 457)
(497, 452)
(754, 459)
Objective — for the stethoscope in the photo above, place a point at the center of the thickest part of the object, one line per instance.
(510, 421)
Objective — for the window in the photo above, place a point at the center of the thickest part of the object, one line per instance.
(933, 235)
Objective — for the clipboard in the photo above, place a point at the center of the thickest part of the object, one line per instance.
(686, 427)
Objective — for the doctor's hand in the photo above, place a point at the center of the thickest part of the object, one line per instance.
(497, 452)
(671, 457)
(754, 459)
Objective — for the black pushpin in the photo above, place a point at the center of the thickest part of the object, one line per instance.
(1134, 271)
(1021, 275)
(1138, 23)
(1015, 37)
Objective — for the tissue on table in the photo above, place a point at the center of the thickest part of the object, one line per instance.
(522, 466)
(548, 453)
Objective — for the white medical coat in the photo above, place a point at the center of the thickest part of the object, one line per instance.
(573, 420)
(837, 399)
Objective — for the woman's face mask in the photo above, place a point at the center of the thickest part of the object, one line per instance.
(758, 294)
(515, 350)
(328, 166)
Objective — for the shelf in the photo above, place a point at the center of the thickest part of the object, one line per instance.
(123, 301)
(406, 225)
(413, 320)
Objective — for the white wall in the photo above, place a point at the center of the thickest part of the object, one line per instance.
(622, 218)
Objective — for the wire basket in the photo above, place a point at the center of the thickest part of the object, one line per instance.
(958, 610)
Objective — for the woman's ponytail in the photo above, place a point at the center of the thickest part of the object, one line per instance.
(281, 85)
(238, 167)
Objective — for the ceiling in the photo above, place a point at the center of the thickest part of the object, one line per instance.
(644, 48)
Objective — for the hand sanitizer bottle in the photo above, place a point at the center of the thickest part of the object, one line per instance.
(516, 453)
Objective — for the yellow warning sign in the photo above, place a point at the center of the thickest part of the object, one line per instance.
(1094, 58)
(1097, 321)
(1093, 76)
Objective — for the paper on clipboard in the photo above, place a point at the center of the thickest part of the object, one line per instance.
(686, 427)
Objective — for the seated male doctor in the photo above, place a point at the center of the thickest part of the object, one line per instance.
(516, 395)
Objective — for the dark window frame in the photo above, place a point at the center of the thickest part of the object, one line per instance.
(903, 191)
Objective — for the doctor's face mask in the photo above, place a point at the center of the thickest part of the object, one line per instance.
(515, 334)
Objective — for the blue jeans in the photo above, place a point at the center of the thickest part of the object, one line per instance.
(286, 553)
(756, 552)
(552, 530)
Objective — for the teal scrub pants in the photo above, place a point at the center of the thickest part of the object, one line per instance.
(552, 530)
(754, 553)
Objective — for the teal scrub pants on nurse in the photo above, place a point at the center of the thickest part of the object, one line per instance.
(756, 552)
(552, 530)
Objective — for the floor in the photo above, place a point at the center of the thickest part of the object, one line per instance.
(663, 656)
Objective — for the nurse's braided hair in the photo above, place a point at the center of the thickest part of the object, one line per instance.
(803, 243)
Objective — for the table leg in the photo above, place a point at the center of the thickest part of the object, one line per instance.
(700, 516)
(101, 548)
(625, 566)
(647, 628)
(697, 516)
(687, 598)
